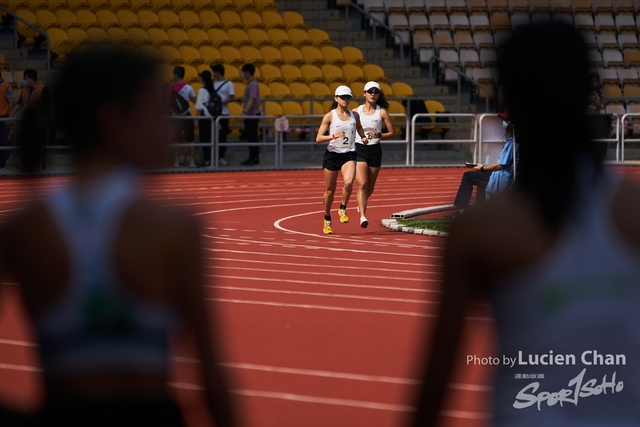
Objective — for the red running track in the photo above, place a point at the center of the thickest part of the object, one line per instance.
(317, 330)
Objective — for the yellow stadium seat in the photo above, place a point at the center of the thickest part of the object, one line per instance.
(210, 19)
(170, 55)
(169, 19)
(318, 110)
(259, 37)
(300, 90)
(27, 32)
(299, 37)
(60, 43)
(189, 19)
(333, 74)
(180, 5)
(87, 19)
(66, 18)
(159, 5)
(97, 34)
(251, 55)
(107, 19)
(401, 90)
(158, 37)
(272, 109)
(242, 5)
(190, 74)
(333, 56)
(221, 5)
(178, 37)
(210, 54)
(118, 35)
(198, 37)
(219, 37)
(230, 19)
(293, 20)
(326, 105)
(127, 18)
(232, 73)
(353, 74)
(291, 109)
(271, 55)
(395, 107)
(313, 56)
(190, 55)
(312, 73)
(202, 5)
(44, 19)
(320, 37)
(279, 37)
(231, 56)
(77, 4)
(117, 5)
(53, 5)
(166, 73)
(291, 74)
(251, 19)
(273, 20)
(353, 55)
(137, 5)
(271, 73)
(31, 5)
(375, 73)
(138, 35)
(386, 89)
(265, 92)
(279, 90)
(148, 19)
(292, 55)
(238, 37)
(357, 88)
(77, 36)
(97, 5)
(264, 5)
(235, 109)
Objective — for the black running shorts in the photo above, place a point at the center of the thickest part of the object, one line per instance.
(370, 154)
(334, 161)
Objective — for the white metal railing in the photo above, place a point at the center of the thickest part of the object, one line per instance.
(414, 141)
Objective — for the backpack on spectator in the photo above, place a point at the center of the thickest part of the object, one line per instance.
(214, 106)
(179, 105)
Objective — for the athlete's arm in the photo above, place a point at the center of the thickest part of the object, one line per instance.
(363, 136)
(324, 126)
(386, 118)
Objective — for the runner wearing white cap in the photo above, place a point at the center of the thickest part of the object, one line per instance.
(339, 128)
(373, 114)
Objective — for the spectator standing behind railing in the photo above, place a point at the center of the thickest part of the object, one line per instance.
(251, 107)
(491, 179)
(558, 256)
(6, 105)
(107, 276)
(227, 94)
(374, 113)
(178, 96)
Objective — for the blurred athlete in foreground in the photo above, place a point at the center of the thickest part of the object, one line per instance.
(558, 255)
(106, 275)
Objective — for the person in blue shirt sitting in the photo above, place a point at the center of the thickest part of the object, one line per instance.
(491, 179)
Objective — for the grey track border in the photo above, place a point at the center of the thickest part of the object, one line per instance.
(392, 223)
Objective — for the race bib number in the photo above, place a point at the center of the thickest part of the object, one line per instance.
(347, 141)
(368, 132)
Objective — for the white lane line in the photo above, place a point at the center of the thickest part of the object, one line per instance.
(325, 400)
(301, 264)
(321, 294)
(317, 373)
(332, 249)
(18, 343)
(467, 415)
(325, 273)
(315, 257)
(24, 368)
(324, 307)
(307, 282)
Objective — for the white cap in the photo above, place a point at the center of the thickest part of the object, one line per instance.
(369, 85)
(343, 90)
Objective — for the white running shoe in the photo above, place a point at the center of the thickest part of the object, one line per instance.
(176, 164)
(192, 164)
(363, 222)
(222, 162)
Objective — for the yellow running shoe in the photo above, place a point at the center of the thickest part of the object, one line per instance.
(327, 229)
(343, 215)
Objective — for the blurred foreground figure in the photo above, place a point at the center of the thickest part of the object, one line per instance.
(106, 275)
(558, 255)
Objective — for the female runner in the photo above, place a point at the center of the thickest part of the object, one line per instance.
(342, 125)
(107, 276)
(373, 113)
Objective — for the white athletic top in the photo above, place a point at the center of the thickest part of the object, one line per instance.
(347, 143)
(372, 123)
(581, 299)
(97, 323)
